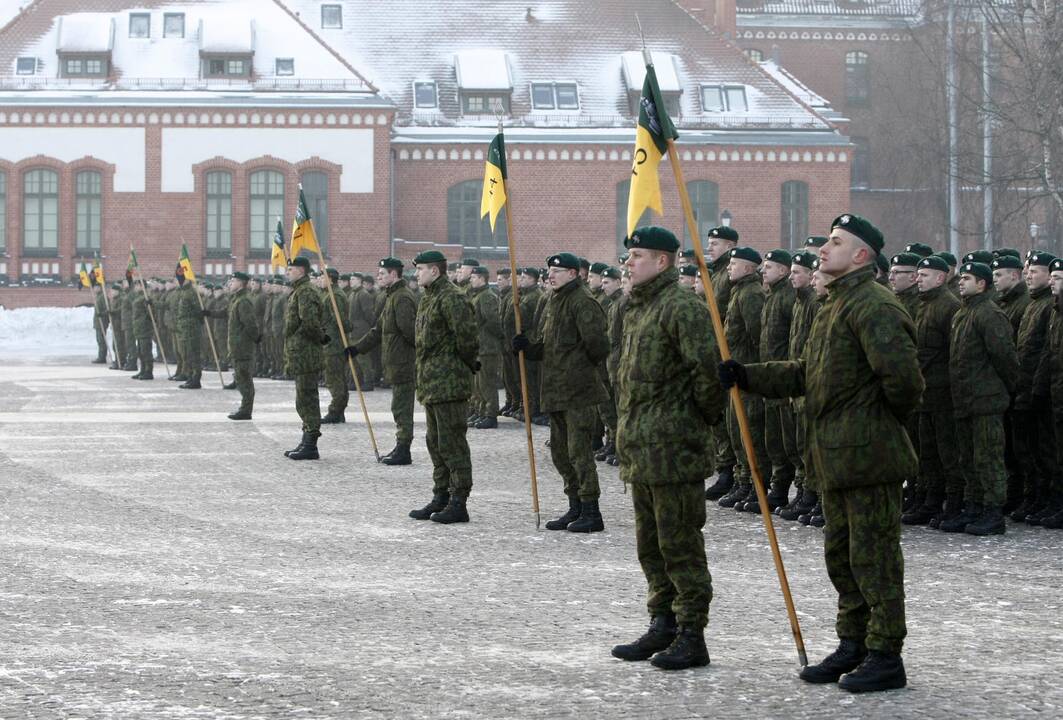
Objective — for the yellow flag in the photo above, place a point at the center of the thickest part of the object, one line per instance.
(651, 143)
(186, 264)
(493, 198)
(303, 237)
(84, 276)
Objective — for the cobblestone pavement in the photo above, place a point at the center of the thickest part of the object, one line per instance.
(159, 561)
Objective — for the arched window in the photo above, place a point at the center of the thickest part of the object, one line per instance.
(267, 204)
(3, 211)
(794, 214)
(857, 78)
(464, 224)
(89, 197)
(623, 189)
(315, 190)
(705, 199)
(219, 213)
(40, 203)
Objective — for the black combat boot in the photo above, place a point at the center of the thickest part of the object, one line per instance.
(738, 492)
(1027, 506)
(1049, 508)
(436, 504)
(240, 414)
(99, 361)
(138, 376)
(686, 651)
(504, 410)
(725, 480)
(589, 520)
(308, 449)
(846, 658)
(817, 520)
(953, 507)
(571, 516)
(750, 503)
(878, 671)
(334, 418)
(1054, 522)
(472, 419)
(487, 423)
(658, 637)
(541, 420)
(923, 514)
(454, 512)
(971, 512)
(190, 384)
(790, 505)
(779, 490)
(231, 386)
(603, 454)
(399, 456)
(147, 376)
(804, 505)
(815, 511)
(179, 378)
(991, 522)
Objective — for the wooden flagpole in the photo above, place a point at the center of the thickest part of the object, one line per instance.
(151, 315)
(206, 322)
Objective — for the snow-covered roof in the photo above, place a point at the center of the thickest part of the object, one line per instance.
(844, 8)
(801, 91)
(663, 65)
(85, 33)
(227, 34)
(482, 69)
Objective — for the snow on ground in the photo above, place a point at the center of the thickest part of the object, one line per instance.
(40, 333)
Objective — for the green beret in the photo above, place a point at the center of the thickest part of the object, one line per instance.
(724, 232)
(652, 237)
(563, 260)
(450, 266)
(979, 270)
(345, 276)
(746, 253)
(689, 270)
(920, 249)
(934, 262)
(815, 264)
(905, 259)
(584, 264)
(1007, 262)
(625, 257)
(804, 259)
(688, 254)
(391, 263)
(816, 241)
(598, 268)
(1057, 265)
(369, 279)
(504, 272)
(979, 256)
(882, 263)
(862, 228)
(948, 257)
(470, 262)
(333, 273)
(1042, 258)
(611, 272)
(357, 276)
(530, 272)
(302, 262)
(780, 256)
(1006, 251)
(241, 276)
(432, 256)
(481, 270)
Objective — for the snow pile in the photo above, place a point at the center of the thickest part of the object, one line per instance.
(31, 333)
(88, 32)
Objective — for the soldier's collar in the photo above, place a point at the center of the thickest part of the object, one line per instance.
(647, 290)
(853, 278)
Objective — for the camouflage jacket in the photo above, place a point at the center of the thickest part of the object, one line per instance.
(1014, 303)
(303, 332)
(507, 317)
(189, 319)
(127, 311)
(396, 333)
(276, 320)
(933, 330)
(362, 311)
(668, 393)
(1033, 336)
(721, 283)
(775, 319)
(953, 285)
(100, 308)
(446, 344)
(488, 319)
(173, 304)
(910, 300)
(606, 301)
(615, 316)
(983, 365)
(806, 305)
(1048, 380)
(859, 374)
(142, 328)
(529, 301)
(243, 328)
(742, 326)
(571, 343)
(335, 342)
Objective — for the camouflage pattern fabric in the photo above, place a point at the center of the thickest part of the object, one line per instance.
(983, 364)
(396, 331)
(402, 399)
(570, 450)
(909, 298)
(242, 376)
(979, 439)
(445, 436)
(446, 345)
(307, 402)
(242, 327)
(303, 332)
(336, 374)
(489, 323)
(190, 324)
(940, 474)
(1014, 303)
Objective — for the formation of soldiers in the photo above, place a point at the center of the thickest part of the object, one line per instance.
(914, 389)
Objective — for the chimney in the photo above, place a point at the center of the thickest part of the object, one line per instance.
(725, 18)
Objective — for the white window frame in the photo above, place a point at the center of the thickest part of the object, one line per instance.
(725, 98)
(139, 16)
(554, 96)
(332, 6)
(290, 67)
(22, 61)
(435, 94)
(168, 16)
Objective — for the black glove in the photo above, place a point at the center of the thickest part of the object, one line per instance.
(325, 339)
(731, 373)
(204, 314)
(258, 339)
(149, 303)
(476, 366)
(351, 351)
(520, 343)
(1039, 402)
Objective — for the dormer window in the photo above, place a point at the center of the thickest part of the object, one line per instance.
(26, 66)
(226, 49)
(664, 66)
(228, 67)
(139, 25)
(285, 66)
(331, 17)
(85, 66)
(425, 95)
(484, 104)
(484, 81)
(173, 25)
(555, 96)
(724, 98)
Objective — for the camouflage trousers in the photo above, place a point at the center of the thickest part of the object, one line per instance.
(1055, 485)
(119, 343)
(534, 385)
(862, 549)
(671, 549)
(363, 365)
(242, 376)
(780, 442)
(146, 355)
(805, 477)
(307, 403)
(402, 398)
(607, 410)
(101, 338)
(1034, 441)
(336, 382)
(721, 441)
(939, 467)
(193, 363)
(511, 378)
(979, 439)
(130, 346)
(571, 434)
(755, 412)
(448, 448)
(485, 402)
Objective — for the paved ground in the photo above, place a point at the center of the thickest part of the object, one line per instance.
(159, 561)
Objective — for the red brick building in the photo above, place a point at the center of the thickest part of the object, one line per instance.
(161, 124)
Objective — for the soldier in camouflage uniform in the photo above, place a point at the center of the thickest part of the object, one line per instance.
(335, 360)
(611, 294)
(1047, 389)
(114, 295)
(1011, 296)
(446, 350)
(668, 400)
(189, 323)
(507, 320)
(570, 343)
(615, 317)
(721, 241)
(130, 360)
(742, 327)
(142, 331)
(279, 311)
(363, 312)
(395, 331)
(100, 320)
(242, 336)
(860, 378)
(304, 338)
(530, 295)
(485, 306)
(902, 274)
(983, 375)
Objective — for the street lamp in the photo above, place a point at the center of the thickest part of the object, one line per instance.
(725, 218)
